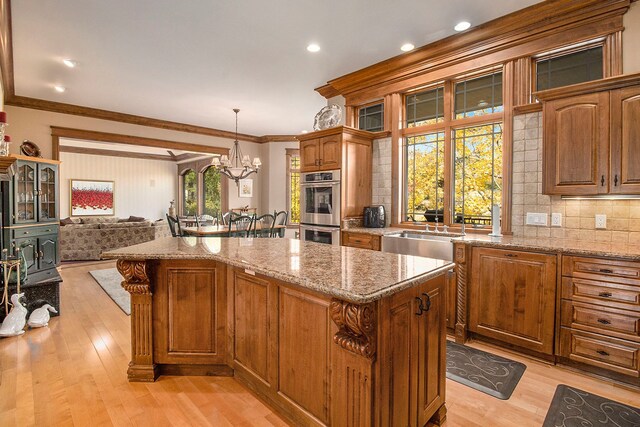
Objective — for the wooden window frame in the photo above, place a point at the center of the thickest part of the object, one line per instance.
(291, 152)
(181, 200)
(356, 113)
(448, 125)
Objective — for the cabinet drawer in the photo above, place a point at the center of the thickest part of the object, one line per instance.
(603, 293)
(361, 240)
(34, 231)
(602, 269)
(609, 321)
(597, 350)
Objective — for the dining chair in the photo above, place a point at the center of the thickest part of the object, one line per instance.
(263, 226)
(227, 216)
(240, 226)
(281, 218)
(174, 226)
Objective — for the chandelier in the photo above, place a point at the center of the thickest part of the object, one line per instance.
(235, 165)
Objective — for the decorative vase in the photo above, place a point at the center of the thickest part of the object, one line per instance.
(172, 209)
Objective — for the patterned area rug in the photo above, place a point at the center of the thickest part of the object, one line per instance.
(110, 280)
(485, 372)
(572, 407)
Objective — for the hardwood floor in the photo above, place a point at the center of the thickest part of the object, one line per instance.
(73, 373)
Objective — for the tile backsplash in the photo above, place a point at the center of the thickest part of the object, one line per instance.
(381, 175)
(578, 216)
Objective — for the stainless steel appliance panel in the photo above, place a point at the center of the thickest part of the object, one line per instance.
(320, 198)
(318, 234)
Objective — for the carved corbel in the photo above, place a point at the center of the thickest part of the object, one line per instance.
(356, 327)
(136, 281)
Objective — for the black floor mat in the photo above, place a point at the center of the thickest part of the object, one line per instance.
(485, 372)
(572, 407)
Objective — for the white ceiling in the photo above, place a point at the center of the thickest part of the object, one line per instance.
(193, 61)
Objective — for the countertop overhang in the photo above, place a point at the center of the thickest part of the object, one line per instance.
(355, 275)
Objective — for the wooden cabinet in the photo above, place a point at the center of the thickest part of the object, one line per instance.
(322, 153)
(349, 150)
(592, 137)
(512, 297)
(413, 341)
(600, 315)
(361, 240)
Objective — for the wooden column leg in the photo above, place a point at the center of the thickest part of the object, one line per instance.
(461, 292)
(352, 359)
(136, 282)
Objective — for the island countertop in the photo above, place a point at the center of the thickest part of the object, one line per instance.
(351, 274)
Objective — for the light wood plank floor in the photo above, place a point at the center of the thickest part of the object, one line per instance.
(73, 373)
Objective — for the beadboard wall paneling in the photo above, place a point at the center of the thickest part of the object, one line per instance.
(142, 187)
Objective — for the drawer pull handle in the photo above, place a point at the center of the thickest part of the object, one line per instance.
(605, 294)
(606, 270)
(602, 353)
(511, 255)
(604, 321)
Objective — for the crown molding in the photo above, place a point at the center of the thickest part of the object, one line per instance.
(514, 29)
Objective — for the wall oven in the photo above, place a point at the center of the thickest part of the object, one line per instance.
(320, 198)
(320, 234)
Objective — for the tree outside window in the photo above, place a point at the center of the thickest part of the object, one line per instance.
(189, 191)
(212, 192)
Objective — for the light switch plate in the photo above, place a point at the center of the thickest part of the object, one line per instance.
(534, 218)
(601, 221)
(556, 220)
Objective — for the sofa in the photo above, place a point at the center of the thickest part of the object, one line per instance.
(86, 238)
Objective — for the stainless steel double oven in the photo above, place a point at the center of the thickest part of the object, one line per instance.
(320, 207)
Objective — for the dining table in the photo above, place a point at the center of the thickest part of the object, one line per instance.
(216, 230)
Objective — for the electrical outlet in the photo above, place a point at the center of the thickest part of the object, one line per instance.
(536, 218)
(601, 221)
(556, 220)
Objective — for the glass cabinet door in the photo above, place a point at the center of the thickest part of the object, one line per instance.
(25, 193)
(47, 193)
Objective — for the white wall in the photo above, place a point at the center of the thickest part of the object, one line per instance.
(274, 187)
(36, 125)
(630, 40)
(142, 187)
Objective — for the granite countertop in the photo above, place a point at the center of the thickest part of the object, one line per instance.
(351, 274)
(566, 246)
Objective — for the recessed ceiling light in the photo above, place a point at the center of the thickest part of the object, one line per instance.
(313, 47)
(59, 88)
(407, 47)
(461, 26)
(69, 63)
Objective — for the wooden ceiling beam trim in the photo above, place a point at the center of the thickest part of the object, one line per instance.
(114, 153)
(490, 56)
(89, 135)
(277, 138)
(517, 28)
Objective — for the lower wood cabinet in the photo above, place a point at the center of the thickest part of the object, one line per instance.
(512, 297)
(191, 295)
(361, 240)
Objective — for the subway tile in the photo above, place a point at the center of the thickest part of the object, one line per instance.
(587, 223)
(618, 224)
(531, 188)
(531, 166)
(620, 211)
(531, 155)
(634, 238)
(634, 211)
(531, 121)
(587, 211)
(634, 224)
(544, 232)
(531, 145)
(603, 236)
(572, 234)
(531, 133)
(528, 177)
(517, 199)
(544, 200)
(587, 235)
(572, 208)
(557, 233)
(572, 222)
(519, 122)
(518, 167)
(530, 231)
(620, 236)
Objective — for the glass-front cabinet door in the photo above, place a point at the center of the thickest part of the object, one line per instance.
(25, 193)
(47, 192)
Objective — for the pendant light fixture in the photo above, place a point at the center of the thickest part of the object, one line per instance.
(236, 166)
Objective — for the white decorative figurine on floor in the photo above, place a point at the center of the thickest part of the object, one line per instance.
(40, 316)
(14, 322)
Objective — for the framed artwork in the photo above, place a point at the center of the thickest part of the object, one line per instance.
(245, 188)
(91, 197)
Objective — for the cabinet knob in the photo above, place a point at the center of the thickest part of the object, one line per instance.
(604, 321)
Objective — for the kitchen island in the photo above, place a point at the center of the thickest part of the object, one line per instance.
(326, 335)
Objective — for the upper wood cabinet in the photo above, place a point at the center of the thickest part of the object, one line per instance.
(349, 150)
(591, 138)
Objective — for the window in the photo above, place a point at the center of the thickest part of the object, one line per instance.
(482, 95)
(293, 185)
(425, 108)
(212, 192)
(460, 145)
(568, 69)
(425, 177)
(189, 189)
(478, 172)
(371, 117)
